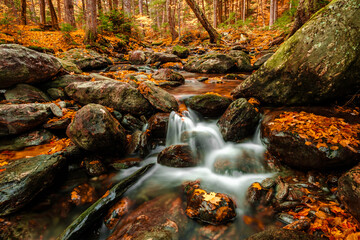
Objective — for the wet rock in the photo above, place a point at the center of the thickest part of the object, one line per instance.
(288, 147)
(131, 123)
(254, 194)
(19, 118)
(60, 124)
(180, 51)
(239, 120)
(208, 105)
(34, 138)
(211, 63)
(243, 60)
(56, 93)
(63, 81)
(262, 60)
(168, 84)
(117, 95)
(26, 94)
(85, 59)
(95, 129)
(233, 76)
(282, 190)
(135, 143)
(137, 57)
(168, 75)
(162, 58)
(281, 234)
(177, 156)
(213, 208)
(94, 165)
(120, 164)
(22, 65)
(25, 178)
(300, 225)
(117, 212)
(349, 191)
(157, 125)
(268, 183)
(136, 77)
(162, 218)
(121, 67)
(56, 110)
(159, 98)
(70, 67)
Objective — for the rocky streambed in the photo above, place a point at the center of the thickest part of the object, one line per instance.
(147, 150)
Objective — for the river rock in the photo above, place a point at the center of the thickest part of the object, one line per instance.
(211, 63)
(262, 60)
(56, 93)
(282, 234)
(177, 156)
(168, 75)
(310, 67)
(157, 125)
(69, 67)
(26, 93)
(34, 138)
(162, 58)
(137, 57)
(131, 123)
(180, 51)
(121, 67)
(95, 129)
(94, 165)
(239, 120)
(117, 95)
(300, 152)
(60, 124)
(243, 60)
(85, 59)
(349, 191)
(208, 105)
(117, 212)
(134, 144)
(120, 164)
(162, 218)
(25, 178)
(19, 118)
(63, 81)
(209, 207)
(19, 64)
(159, 98)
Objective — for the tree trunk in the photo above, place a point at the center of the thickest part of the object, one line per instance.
(84, 10)
(179, 17)
(91, 31)
(214, 35)
(42, 12)
(171, 17)
(69, 12)
(23, 12)
(215, 3)
(110, 5)
(140, 7)
(54, 20)
(305, 10)
(243, 14)
(99, 7)
(271, 19)
(127, 6)
(32, 11)
(116, 4)
(59, 10)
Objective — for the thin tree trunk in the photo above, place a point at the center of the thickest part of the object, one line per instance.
(32, 11)
(215, 2)
(59, 10)
(179, 17)
(262, 12)
(116, 4)
(140, 7)
(110, 5)
(127, 6)
(214, 35)
(54, 20)
(42, 12)
(90, 31)
(84, 10)
(243, 15)
(69, 12)
(23, 12)
(158, 24)
(147, 7)
(171, 18)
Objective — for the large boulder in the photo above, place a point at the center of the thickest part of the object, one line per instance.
(168, 75)
(349, 191)
(137, 57)
(21, 180)
(26, 93)
(177, 156)
(110, 93)
(162, 218)
(19, 64)
(95, 129)
(319, 63)
(211, 63)
(208, 105)
(305, 140)
(243, 60)
(239, 120)
(19, 118)
(69, 67)
(158, 97)
(158, 124)
(85, 59)
(64, 80)
(181, 51)
(162, 58)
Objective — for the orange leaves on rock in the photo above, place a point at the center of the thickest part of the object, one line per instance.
(254, 101)
(83, 194)
(323, 132)
(256, 185)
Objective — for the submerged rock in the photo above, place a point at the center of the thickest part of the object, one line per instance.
(162, 218)
(18, 118)
(95, 129)
(208, 105)
(177, 156)
(85, 59)
(211, 63)
(26, 94)
(159, 98)
(110, 93)
(19, 64)
(239, 120)
(25, 178)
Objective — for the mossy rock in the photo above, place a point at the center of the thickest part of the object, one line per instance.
(180, 51)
